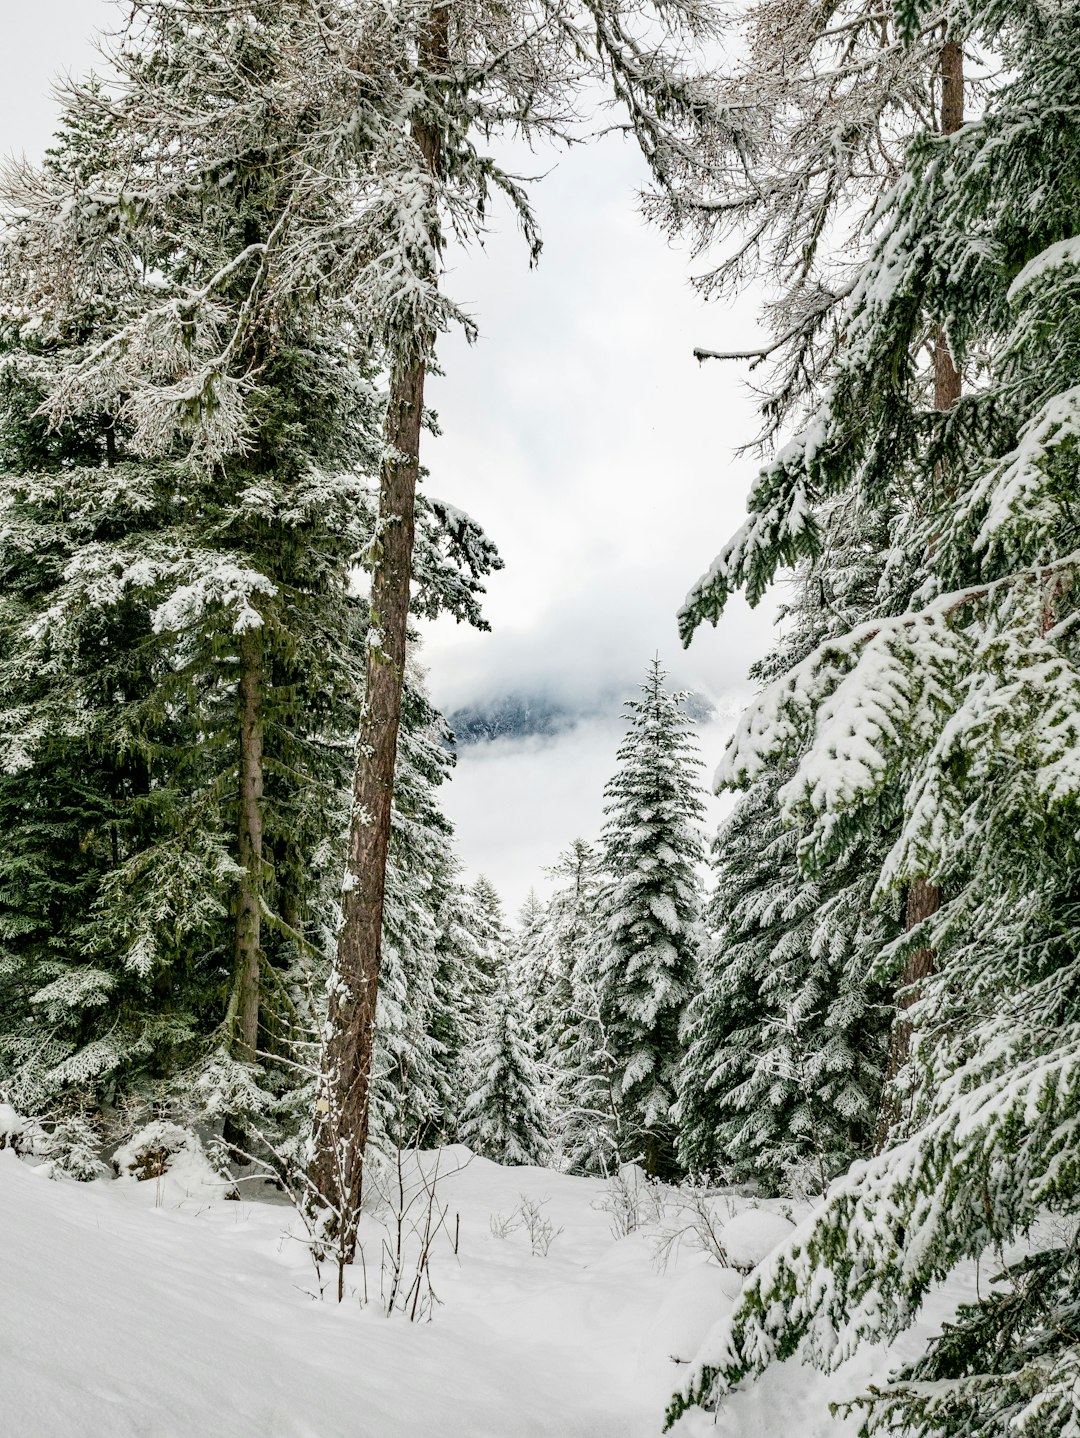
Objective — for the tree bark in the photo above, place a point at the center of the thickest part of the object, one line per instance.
(249, 846)
(924, 898)
(342, 1108)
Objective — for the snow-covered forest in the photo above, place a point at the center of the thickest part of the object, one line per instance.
(767, 1127)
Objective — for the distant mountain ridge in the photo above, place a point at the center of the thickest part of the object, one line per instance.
(526, 716)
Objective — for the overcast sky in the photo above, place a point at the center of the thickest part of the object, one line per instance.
(583, 435)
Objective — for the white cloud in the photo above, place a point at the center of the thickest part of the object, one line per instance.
(517, 803)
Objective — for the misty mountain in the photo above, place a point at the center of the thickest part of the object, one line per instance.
(525, 716)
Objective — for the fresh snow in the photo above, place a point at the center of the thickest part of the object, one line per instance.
(154, 1309)
(752, 1235)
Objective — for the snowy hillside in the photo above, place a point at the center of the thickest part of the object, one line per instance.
(138, 1309)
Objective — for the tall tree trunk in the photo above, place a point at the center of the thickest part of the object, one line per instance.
(249, 847)
(342, 1110)
(924, 898)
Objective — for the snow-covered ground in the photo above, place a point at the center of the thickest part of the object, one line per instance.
(133, 1308)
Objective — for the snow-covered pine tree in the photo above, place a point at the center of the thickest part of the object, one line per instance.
(651, 853)
(460, 991)
(443, 81)
(409, 1086)
(189, 625)
(503, 1117)
(786, 1040)
(490, 929)
(532, 968)
(584, 1103)
(575, 923)
(967, 703)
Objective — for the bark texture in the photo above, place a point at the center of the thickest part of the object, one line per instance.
(924, 898)
(343, 1107)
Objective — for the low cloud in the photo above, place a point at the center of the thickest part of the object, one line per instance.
(517, 803)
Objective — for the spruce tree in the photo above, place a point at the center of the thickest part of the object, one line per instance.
(965, 704)
(410, 1087)
(651, 853)
(532, 964)
(585, 1103)
(181, 678)
(786, 1040)
(503, 1118)
(490, 930)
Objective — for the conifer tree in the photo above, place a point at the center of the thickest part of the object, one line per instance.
(503, 1118)
(965, 704)
(177, 553)
(460, 991)
(490, 930)
(410, 1083)
(786, 1039)
(651, 852)
(574, 922)
(585, 1104)
(459, 77)
(533, 974)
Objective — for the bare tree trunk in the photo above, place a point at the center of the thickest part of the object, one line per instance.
(249, 847)
(343, 1106)
(924, 898)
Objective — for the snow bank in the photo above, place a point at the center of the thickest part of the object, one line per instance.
(12, 1124)
(132, 1308)
(174, 1159)
(752, 1235)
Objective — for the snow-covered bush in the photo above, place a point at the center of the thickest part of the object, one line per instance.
(161, 1149)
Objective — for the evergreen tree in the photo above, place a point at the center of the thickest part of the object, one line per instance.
(503, 1118)
(651, 852)
(181, 676)
(460, 991)
(410, 1087)
(574, 923)
(585, 1103)
(965, 705)
(453, 79)
(782, 1076)
(532, 971)
(786, 1040)
(491, 932)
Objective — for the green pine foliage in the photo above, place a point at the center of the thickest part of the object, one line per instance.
(965, 705)
(161, 557)
(652, 901)
(786, 1040)
(503, 1118)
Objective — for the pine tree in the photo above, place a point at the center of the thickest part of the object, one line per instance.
(786, 1040)
(410, 1089)
(782, 1076)
(490, 930)
(965, 704)
(503, 1118)
(457, 79)
(533, 974)
(576, 928)
(460, 992)
(651, 852)
(585, 1104)
(180, 681)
